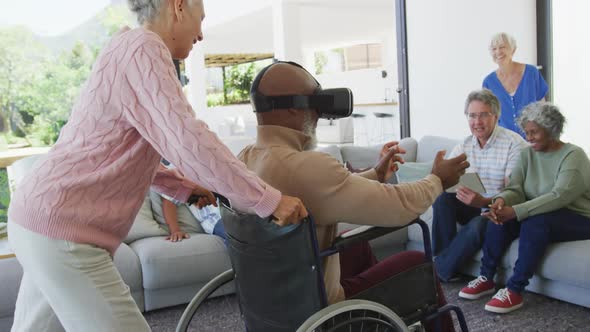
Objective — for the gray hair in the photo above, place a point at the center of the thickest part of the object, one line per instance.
(503, 38)
(148, 10)
(485, 96)
(545, 115)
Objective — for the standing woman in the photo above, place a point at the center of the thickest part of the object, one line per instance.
(69, 216)
(515, 84)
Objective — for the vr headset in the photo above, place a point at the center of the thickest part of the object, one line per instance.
(329, 103)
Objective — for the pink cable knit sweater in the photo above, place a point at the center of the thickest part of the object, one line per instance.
(130, 113)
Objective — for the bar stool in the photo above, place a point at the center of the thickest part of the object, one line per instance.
(360, 129)
(384, 131)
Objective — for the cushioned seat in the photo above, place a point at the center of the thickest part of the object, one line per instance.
(575, 270)
(189, 263)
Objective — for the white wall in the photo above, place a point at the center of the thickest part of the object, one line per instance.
(448, 55)
(240, 35)
(571, 53)
(353, 24)
(367, 85)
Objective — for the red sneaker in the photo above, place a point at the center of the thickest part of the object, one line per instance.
(477, 288)
(504, 301)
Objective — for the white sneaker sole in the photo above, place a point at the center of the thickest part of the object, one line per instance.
(502, 310)
(476, 296)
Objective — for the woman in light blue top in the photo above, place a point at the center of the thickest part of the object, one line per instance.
(515, 84)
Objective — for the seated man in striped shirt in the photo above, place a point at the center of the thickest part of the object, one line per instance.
(492, 152)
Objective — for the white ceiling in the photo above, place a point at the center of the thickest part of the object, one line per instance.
(323, 23)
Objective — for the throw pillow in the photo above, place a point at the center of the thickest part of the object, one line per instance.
(361, 157)
(410, 171)
(144, 224)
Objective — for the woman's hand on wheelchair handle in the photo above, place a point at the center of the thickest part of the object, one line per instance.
(206, 197)
(290, 211)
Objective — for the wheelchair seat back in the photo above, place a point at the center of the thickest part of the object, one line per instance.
(277, 274)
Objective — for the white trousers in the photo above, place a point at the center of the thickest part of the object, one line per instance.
(68, 284)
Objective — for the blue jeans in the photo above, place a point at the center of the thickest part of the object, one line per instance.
(535, 233)
(219, 230)
(452, 249)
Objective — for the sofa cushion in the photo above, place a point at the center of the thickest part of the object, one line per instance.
(360, 157)
(567, 262)
(168, 264)
(144, 224)
(186, 220)
(410, 172)
(430, 145)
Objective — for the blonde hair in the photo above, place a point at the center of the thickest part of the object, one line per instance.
(503, 38)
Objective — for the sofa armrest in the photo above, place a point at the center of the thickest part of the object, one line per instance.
(411, 146)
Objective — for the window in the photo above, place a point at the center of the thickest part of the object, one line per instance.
(362, 56)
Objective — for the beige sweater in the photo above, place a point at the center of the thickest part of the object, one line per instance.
(331, 193)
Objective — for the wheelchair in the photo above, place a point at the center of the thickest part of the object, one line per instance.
(280, 286)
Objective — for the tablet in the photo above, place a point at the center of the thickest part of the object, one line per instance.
(471, 181)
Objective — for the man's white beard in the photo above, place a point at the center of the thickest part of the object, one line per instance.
(309, 129)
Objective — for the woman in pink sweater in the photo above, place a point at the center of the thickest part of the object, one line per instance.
(70, 215)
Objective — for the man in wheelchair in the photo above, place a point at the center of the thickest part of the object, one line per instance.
(288, 102)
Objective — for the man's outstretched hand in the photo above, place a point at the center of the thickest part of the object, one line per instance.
(388, 157)
(449, 170)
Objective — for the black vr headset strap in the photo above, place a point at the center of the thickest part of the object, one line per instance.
(262, 103)
(298, 101)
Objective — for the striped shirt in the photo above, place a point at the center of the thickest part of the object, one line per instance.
(495, 161)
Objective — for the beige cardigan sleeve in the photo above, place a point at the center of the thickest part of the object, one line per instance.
(333, 194)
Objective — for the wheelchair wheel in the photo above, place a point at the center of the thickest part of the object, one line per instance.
(354, 315)
(190, 310)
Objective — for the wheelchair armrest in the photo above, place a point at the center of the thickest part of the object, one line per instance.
(342, 242)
